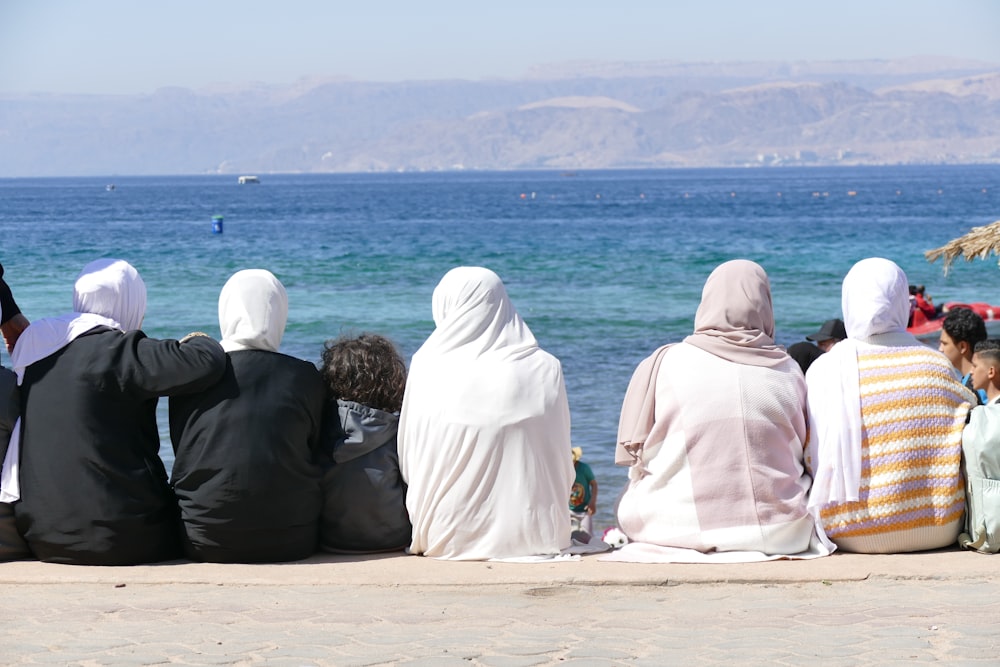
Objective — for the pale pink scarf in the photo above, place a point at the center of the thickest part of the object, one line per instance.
(735, 320)
(639, 409)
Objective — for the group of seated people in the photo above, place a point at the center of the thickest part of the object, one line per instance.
(274, 458)
(467, 456)
(741, 451)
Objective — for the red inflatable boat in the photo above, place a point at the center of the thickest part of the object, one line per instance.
(923, 327)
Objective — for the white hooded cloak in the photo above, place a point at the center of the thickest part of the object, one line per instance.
(484, 434)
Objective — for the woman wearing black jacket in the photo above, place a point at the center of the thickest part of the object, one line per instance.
(92, 487)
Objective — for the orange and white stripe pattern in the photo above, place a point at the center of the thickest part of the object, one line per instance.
(913, 411)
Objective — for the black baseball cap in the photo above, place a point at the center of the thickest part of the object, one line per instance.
(830, 329)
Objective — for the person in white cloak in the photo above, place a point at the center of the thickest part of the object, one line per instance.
(484, 433)
(886, 419)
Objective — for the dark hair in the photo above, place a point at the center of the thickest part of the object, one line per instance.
(989, 350)
(962, 324)
(366, 369)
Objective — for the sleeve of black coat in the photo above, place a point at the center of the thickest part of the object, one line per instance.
(10, 407)
(168, 367)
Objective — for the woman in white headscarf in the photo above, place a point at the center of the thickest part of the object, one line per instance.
(887, 414)
(713, 429)
(92, 487)
(244, 471)
(484, 434)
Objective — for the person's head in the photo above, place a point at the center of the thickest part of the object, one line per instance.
(253, 310)
(986, 367)
(735, 319)
(577, 453)
(365, 369)
(736, 297)
(472, 311)
(111, 288)
(831, 333)
(960, 331)
(875, 299)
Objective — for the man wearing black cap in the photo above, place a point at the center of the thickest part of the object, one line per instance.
(831, 333)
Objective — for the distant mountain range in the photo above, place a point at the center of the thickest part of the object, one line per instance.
(569, 116)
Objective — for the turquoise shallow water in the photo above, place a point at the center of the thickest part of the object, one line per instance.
(604, 266)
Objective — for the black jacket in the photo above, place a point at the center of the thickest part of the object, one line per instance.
(10, 407)
(93, 488)
(244, 469)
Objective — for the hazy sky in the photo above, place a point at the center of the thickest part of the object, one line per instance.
(129, 46)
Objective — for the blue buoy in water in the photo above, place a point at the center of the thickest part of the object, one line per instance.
(216, 224)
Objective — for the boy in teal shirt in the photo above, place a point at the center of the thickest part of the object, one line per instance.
(583, 497)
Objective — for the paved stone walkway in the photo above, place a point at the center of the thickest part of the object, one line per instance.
(842, 623)
(851, 610)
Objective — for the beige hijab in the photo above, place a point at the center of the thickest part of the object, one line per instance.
(735, 320)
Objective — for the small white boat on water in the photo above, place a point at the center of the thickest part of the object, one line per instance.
(245, 180)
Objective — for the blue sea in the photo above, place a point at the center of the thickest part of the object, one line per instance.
(604, 265)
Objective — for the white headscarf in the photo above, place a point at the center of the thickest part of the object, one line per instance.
(253, 311)
(475, 317)
(108, 292)
(484, 433)
(876, 305)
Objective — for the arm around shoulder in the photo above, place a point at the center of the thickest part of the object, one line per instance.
(12, 330)
(191, 364)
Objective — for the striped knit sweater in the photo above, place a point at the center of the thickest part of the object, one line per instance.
(911, 495)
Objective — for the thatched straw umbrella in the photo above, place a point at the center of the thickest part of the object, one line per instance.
(980, 242)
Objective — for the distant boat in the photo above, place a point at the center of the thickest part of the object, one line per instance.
(925, 329)
(245, 180)
(110, 187)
